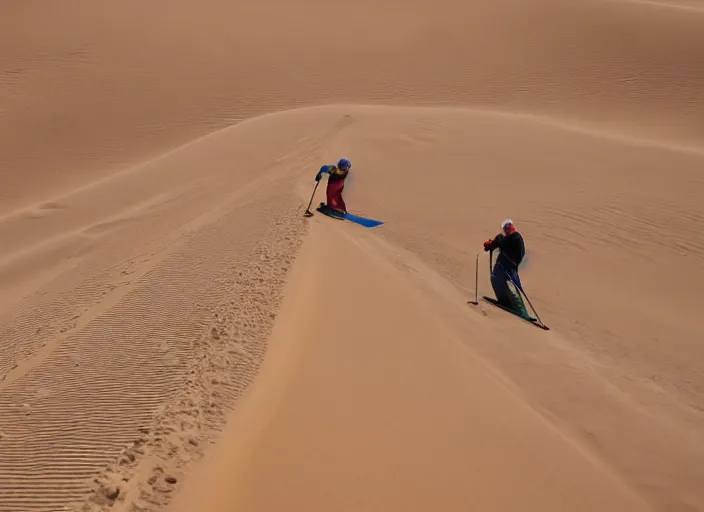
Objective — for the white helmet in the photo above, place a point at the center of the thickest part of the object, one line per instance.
(508, 225)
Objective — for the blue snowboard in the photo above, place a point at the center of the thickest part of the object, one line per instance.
(362, 221)
(367, 223)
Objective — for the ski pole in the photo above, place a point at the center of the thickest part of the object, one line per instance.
(308, 213)
(476, 281)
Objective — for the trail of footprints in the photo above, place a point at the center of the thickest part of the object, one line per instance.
(139, 391)
(227, 358)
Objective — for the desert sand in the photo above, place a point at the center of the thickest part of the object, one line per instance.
(176, 336)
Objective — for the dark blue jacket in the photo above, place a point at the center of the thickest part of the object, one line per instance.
(512, 250)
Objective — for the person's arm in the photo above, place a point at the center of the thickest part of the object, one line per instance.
(494, 243)
(324, 169)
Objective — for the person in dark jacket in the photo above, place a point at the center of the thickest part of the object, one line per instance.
(512, 250)
(336, 182)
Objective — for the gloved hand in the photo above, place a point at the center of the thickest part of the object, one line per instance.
(487, 244)
(322, 170)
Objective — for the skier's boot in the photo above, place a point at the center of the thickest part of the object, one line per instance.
(332, 212)
(505, 300)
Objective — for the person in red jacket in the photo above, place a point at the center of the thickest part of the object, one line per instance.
(336, 183)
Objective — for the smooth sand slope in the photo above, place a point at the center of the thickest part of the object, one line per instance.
(388, 410)
(148, 236)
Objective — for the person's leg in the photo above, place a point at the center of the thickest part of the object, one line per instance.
(334, 193)
(516, 279)
(330, 195)
(498, 283)
(340, 201)
(516, 299)
(500, 279)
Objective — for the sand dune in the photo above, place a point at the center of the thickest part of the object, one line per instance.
(116, 349)
(88, 88)
(155, 160)
(591, 376)
(398, 416)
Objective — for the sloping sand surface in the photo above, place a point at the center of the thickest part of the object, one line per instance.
(379, 405)
(155, 162)
(618, 376)
(145, 301)
(87, 88)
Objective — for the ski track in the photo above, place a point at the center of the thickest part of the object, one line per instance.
(122, 373)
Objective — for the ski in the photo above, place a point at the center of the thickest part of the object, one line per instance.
(530, 320)
(334, 214)
(362, 221)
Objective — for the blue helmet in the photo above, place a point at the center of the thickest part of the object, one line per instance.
(344, 164)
